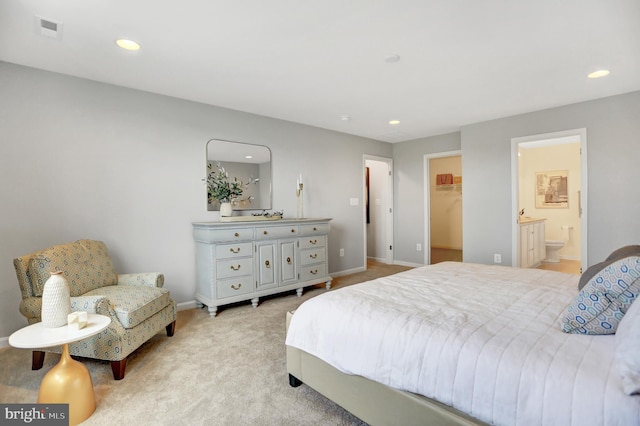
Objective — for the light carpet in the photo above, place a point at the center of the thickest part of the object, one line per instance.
(227, 370)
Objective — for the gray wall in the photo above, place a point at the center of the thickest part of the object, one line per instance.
(613, 140)
(80, 159)
(409, 188)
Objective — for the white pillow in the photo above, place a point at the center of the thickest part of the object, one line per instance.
(627, 357)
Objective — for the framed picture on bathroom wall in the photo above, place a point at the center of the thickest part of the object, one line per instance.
(552, 189)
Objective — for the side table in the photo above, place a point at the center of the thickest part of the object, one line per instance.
(69, 381)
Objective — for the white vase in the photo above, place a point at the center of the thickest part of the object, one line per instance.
(226, 209)
(56, 301)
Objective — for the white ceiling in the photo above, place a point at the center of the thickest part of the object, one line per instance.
(311, 62)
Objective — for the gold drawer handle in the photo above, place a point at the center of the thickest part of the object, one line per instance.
(293, 231)
(289, 260)
(236, 251)
(313, 241)
(236, 268)
(236, 288)
(265, 232)
(315, 229)
(267, 264)
(236, 235)
(314, 272)
(313, 256)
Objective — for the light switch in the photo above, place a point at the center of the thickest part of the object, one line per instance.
(354, 201)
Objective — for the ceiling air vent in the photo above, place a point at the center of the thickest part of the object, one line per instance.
(48, 28)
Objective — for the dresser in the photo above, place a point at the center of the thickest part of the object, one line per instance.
(237, 261)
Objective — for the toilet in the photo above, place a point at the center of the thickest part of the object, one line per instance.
(552, 248)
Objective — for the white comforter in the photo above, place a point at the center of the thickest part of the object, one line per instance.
(486, 340)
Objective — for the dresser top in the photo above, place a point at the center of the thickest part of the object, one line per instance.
(246, 223)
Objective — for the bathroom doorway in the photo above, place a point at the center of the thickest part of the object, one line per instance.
(549, 190)
(443, 207)
(377, 209)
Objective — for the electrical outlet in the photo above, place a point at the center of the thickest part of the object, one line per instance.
(497, 258)
(341, 252)
(419, 247)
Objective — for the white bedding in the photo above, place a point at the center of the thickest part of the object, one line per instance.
(486, 340)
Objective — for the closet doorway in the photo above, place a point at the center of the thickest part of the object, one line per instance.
(377, 209)
(443, 207)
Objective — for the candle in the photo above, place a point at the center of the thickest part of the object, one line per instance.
(300, 177)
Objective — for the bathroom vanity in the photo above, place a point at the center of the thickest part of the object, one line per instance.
(244, 260)
(532, 242)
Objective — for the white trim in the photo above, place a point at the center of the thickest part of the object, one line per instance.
(186, 305)
(426, 179)
(347, 272)
(564, 137)
(388, 207)
(4, 342)
(411, 264)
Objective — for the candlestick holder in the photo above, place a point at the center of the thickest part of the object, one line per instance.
(300, 213)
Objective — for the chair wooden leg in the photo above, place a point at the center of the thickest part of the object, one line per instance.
(118, 368)
(37, 360)
(171, 328)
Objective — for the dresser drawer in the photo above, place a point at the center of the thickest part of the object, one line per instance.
(270, 232)
(318, 229)
(312, 272)
(309, 256)
(232, 234)
(234, 267)
(230, 251)
(234, 286)
(313, 241)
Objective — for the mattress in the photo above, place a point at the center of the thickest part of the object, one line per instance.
(483, 339)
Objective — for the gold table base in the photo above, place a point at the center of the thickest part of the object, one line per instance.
(69, 382)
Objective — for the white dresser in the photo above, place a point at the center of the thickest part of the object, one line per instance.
(239, 261)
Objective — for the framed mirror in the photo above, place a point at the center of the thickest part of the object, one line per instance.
(242, 166)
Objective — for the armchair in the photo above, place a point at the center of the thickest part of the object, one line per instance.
(136, 303)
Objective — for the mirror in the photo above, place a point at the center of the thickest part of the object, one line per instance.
(245, 166)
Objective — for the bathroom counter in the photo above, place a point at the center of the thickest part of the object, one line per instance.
(523, 220)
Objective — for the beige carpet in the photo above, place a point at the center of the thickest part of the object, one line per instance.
(228, 370)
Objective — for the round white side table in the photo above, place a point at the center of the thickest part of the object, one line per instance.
(69, 381)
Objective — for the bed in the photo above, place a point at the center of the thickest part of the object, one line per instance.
(468, 344)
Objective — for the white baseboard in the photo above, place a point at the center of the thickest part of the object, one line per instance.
(347, 272)
(410, 264)
(569, 257)
(187, 305)
(4, 342)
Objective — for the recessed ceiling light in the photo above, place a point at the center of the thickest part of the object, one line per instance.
(394, 122)
(392, 58)
(345, 118)
(598, 74)
(127, 44)
(248, 157)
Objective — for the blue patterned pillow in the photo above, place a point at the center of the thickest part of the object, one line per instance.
(604, 300)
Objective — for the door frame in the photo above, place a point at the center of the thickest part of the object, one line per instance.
(427, 199)
(515, 235)
(389, 258)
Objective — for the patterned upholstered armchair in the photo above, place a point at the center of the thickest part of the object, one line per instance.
(136, 303)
